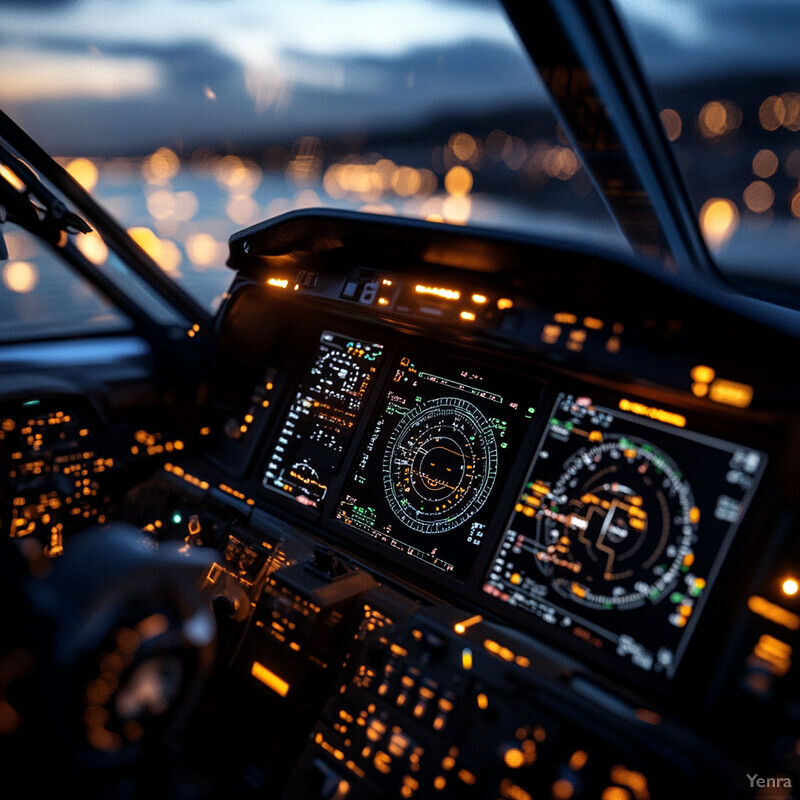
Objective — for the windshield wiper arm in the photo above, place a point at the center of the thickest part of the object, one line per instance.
(27, 202)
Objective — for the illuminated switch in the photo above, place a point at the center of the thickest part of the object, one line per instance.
(350, 290)
(307, 278)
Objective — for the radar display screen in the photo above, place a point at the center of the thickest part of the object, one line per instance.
(322, 417)
(437, 458)
(621, 527)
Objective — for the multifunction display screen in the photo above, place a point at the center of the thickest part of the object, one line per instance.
(621, 526)
(428, 477)
(322, 417)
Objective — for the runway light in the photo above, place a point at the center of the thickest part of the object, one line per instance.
(719, 219)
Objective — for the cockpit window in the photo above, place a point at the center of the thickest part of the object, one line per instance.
(40, 296)
(726, 79)
(189, 120)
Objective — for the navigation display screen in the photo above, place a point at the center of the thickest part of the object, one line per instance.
(428, 477)
(322, 417)
(621, 527)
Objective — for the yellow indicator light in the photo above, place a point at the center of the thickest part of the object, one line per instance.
(593, 323)
(480, 299)
(439, 782)
(280, 283)
(699, 389)
(615, 793)
(790, 587)
(382, 762)
(467, 315)
(438, 291)
(460, 627)
(776, 653)
(565, 318)
(658, 414)
(269, 678)
(382, 301)
(774, 613)
(466, 658)
(466, 776)
(578, 759)
(703, 374)
(635, 781)
(505, 303)
(483, 701)
(550, 333)
(514, 758)
(731, 393)
(650, 717)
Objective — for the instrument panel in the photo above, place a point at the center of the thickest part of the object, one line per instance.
(451, 435)
(593, 513)
(592, 518)
(440, 498)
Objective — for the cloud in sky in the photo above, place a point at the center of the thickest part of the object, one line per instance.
(692, 38)
(95, 72)
(87, 73)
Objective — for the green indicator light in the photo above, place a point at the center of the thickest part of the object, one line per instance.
(177, 518)
(695, 591)
(608, 606)
(31, 403)
(676, 597)
(654, 593)
(569, 426)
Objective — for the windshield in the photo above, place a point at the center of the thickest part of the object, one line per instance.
(191, 119)
(726, 77)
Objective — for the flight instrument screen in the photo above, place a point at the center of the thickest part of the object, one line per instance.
(322, 417)
(427, 479)
(621, 527)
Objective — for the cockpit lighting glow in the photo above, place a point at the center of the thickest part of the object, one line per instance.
(658, 414)
(437, 291)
